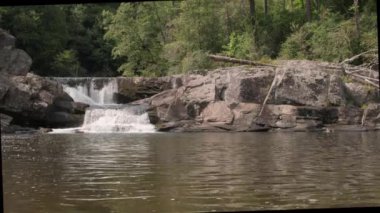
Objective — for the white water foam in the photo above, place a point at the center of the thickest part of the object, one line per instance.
(110, 120)
(86, 91)
(78, 94)
(126, 119)
(104, 115)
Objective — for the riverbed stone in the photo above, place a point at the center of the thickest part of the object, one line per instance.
(218, 112)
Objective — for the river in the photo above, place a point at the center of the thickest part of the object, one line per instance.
(169, 172)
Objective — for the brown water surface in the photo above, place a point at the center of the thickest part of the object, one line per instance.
(102, 173)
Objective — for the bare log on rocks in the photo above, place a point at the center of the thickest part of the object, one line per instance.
(349, 60)
(236, 60)
(353, 70)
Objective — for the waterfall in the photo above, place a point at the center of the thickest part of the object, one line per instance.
(92, 91)
(104, 114)
(130, 119)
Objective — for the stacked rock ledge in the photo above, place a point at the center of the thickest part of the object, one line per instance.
(311, 96)
(28, 101)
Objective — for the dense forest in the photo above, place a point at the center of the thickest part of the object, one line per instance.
(169, 37)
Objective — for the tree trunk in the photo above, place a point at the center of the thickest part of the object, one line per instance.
(308, 10)
(356, 6)
(252, 11)
(292, 5)
(228, 20)
(266, 7)
(317, 5)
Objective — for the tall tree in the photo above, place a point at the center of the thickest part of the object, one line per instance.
(136, 32)
(292, 4)
(308, 10)
(252, 11)
(317, 4)
(357, 21)
(266, 7)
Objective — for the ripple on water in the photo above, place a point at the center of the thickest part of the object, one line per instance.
(190, 172)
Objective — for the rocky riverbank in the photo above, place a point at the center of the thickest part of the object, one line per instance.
(300, 96)
(28, 101)
(293, 96)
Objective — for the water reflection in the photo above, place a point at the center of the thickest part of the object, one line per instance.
(190, 172)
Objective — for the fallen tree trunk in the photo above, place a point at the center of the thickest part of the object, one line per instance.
(349, 60)
(236, 60)
(364, 80)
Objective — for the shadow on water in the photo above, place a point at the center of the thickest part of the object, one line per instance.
(190, 172)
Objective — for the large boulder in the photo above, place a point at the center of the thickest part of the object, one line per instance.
(308, 83)
(31, 100)
(13, 61)
(249, 85)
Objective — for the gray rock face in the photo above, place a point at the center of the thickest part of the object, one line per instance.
(136, 88)
(19, 62)
(31, 100)
(7, 41)
(13, 61)
(307, 83)
(305, 96)
(360, 94)
(248, 85)
(217, 112)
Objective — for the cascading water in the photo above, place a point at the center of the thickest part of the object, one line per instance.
(132, 119)
(104, 114)
(92, 91)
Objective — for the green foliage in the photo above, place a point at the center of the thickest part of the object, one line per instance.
(240, 46)
(332, 39)
(46, 31)
(174, 53)
(369, 37)
(161, 38)
(195, 61)
(66, 64)
(93, 51)
(136, 30)
(41, 31)
(199, 26)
